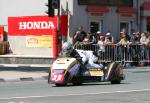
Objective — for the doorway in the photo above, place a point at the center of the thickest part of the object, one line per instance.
(94, 27)
(124, 27)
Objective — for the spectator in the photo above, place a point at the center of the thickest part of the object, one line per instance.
(144, 47)
(109, 39)
(135, 48)
(101, 44)
(135, 38)
(148, 37)
(124, 39)
(98, 34)
(144, 40)
(93, 38)
(123, 46)
(80, 35)
(87, 40)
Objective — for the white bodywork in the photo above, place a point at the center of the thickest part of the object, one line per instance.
(63, 63)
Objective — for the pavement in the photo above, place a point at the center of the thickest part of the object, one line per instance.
(17, 76)
(23, 72)
(16, 68)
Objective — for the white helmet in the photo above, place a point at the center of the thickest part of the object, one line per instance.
(67, 49)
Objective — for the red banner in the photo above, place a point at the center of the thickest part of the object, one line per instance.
(36, 25)
(64, 25)
(2, 33)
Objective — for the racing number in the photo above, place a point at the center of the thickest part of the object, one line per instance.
(57, 77)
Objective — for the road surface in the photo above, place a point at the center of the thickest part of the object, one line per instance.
(134, 89)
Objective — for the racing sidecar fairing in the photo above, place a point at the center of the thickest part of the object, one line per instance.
(68, 70)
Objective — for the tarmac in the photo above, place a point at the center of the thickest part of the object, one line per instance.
(22, 74)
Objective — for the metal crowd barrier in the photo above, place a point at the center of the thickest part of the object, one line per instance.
(119, 53)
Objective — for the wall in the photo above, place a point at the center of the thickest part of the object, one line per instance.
(14, 8)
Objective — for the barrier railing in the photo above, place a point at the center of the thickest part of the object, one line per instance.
(120, 53)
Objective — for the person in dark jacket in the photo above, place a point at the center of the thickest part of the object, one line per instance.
(80, 35)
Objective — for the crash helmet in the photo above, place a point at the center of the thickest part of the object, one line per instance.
(67, 49)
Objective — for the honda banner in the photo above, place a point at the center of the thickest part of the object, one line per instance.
(36, 25)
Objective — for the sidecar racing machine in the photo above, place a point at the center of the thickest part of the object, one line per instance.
(68, 70)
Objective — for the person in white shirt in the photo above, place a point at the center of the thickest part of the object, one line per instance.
(101, 44)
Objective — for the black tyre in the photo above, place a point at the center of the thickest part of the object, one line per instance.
(110, 71)
(114, 73)
(61, 84)
(77, 84)
(76, 81)
(116, 81)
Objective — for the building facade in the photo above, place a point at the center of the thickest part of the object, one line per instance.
(93, 15)
(110, 15)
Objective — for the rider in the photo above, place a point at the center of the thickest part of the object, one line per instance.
(69, 51)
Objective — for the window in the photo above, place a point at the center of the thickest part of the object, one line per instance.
(124, 26)
(148, 24)
(96, 26)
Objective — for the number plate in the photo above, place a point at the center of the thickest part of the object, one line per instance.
(96, 73)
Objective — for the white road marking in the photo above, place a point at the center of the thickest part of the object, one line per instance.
(63, 95)
(15, 102)
(10, 65)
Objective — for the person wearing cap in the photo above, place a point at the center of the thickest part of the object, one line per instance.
(109, 39)
(98, 35)
(98, 32)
